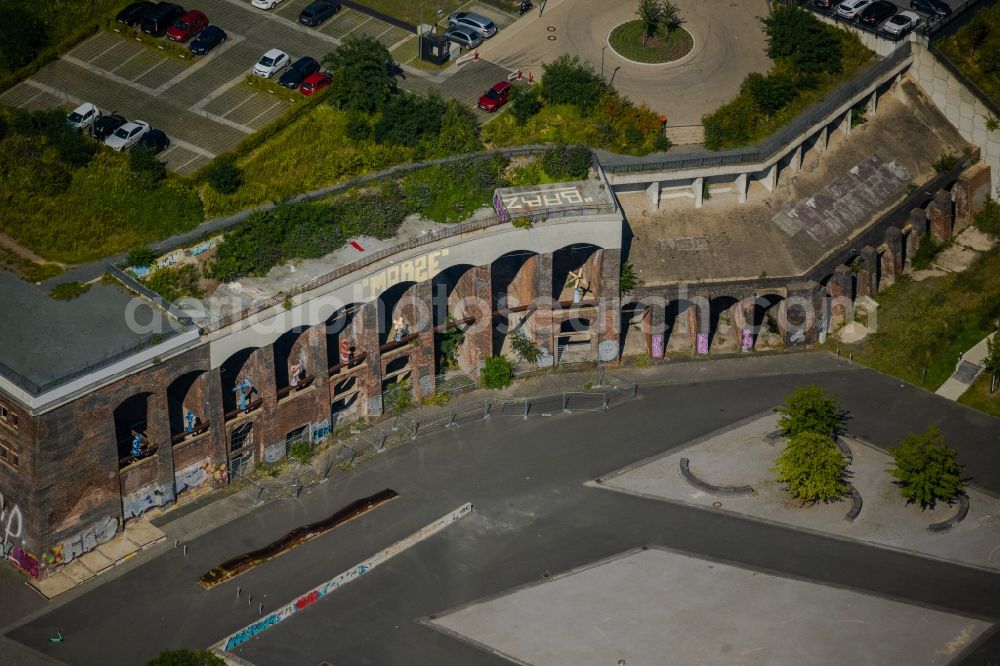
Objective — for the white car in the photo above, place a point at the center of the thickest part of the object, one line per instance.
(127, 135)
(850, 9)
(901, 23)
(83, 116)
(271, 63)
(265, 4)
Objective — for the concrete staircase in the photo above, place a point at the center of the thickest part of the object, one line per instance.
(685, 135)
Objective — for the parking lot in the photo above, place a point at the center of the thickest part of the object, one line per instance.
(204, 105)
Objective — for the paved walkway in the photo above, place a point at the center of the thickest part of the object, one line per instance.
(966, 372)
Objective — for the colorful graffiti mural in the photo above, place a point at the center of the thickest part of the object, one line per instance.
(197, 473)
(136, 503)
(101, 531)
(317, 593)
(747, 340)
(657, 345)
(702, 343)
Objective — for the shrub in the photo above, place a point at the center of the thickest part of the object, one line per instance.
(141, 256)
(459, 131)
(945, 162)
(568, 80)
(22, 36)
(397, 397)
(926, 251)
(224, 176)
(408, 118)
(302, 451)
(810, 409)
(627, 279)
(524, 347)
(451, 192)
(67, 291)
(732, 124)
(146, 168)
(926, 469)
(987, 220)
(448, 343)
(497, 372)
(771, 92)
(812, 468)
(567, 162)
(174, 282)
(186, 658)
(357, 126)
(524, 103)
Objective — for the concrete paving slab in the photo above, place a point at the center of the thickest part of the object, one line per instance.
(77, 572)
(96, 562)
(739, 455)
(143, 533)
(655, 606)
(54, 585)
(118, 549)
(975, 239)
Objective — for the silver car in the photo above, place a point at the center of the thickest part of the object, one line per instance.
(464, 36)
(477, 22)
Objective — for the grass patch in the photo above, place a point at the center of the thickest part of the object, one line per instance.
(174, 282)
(271, 86)
(665, 46)
(25, 269)
(67, 291)
(975, 50)
(927, 324)
(979, 397)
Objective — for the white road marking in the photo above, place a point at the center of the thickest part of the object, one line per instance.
(108, 75)
(126, 60)
(155, 65)
(269, 110)
(287, 22)
(231, 41)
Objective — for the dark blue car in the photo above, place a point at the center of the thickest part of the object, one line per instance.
(207, 40)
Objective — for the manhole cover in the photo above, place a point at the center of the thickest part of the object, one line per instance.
(552, 38)
(551, 28)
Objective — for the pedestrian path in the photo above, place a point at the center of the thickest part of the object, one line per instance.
(966, 372)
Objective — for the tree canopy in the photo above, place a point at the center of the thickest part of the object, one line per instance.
(812, 468)
(22, 36)
(364, 74)
(926, 470)
(568, 80)
(810, 409)
(796, 35)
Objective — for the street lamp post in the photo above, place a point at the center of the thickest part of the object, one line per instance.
(602, 61)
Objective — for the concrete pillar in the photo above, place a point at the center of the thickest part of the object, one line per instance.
(542, 319)
(423, 359)
(698, 325)
(653, 192)
(845, 124)
(741, 186)
(158, 434)
(698, 187)
(608, 338)
(867, 275)
(215, 413)
(822, 139)
(892, 258)
(872, 104)
(369, 379)
(941, 217)
(969, 193)
(656, 333)
(803, 312)
(479, 337)
(771, 177)
(918, 227)
(841, 290)
(796, 160)
(266, 385)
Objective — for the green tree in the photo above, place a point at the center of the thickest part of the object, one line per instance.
(651, 14)
(567, 80)
(926, 470)
(992, 361)
(408, 118)
(223, 175)
(459, 130)
(770, 92)
(448, 343)
(364, 75)
(186, 658)
(628, 279)
(497, 372)
(141, 256)
(357, 126)
(22, 36)
(812, 468)
(525, 347)
(796, 35)
(810, 409)
(524, 103)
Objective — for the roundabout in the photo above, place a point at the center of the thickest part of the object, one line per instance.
(727, 43)
(665, 47)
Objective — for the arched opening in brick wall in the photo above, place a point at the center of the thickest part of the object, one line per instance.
(187, 405)
(292, 366)
(724, 324)
(576, 274)
(399, 314)
(344, 400)
(131, 429)
(342, 335)
(766, 327)
(243, 377)
(457, 305)
(514, 291)
(573, 342)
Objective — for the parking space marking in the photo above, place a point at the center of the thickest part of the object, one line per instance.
(224, 88)
(84, 45)
(30, 99)
(108, 75)
(231, 41)
(200, 152)
(124, 62)
(355, 28)
(295, 25)
(248, 99)
(268, 110)
(155, 65)
(55, 92)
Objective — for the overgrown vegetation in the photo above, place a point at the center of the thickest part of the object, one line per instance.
(810, 58)
(25, 269)
(186, 658)
(975, 49)
(945, 162)
(497, 372)
(926, 252)
(525, 347)
(926, 470)
(447, 344)
(573, 105)
(927, 324)
(628, 279)
(987, 220)
(67, 291)
(174, 282)
(302, 451)
(397, 397)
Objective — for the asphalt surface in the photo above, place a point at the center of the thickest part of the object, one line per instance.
(532, 516)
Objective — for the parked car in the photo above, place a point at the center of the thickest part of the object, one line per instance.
(187, 26)
(104, 126)
(132, 15)
(463, 36)
(315, 82)
(265, 4)
(876, 12)
(271, 63)
(207, 40)
(159, 17)
(850, 9)
(83, 116)
(495, 97)
(319, 11)
(299, 70)
(901, 23)
(126, 135)
(477, 22)
(154, 140)
(826, 5)
(936, 8)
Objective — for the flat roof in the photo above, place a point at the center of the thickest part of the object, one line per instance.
(44, 341)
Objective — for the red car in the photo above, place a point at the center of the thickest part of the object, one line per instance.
(187, 26)
(315, 82)
(495, 97)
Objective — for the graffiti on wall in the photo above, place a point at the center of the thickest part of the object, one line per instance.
(417, 269)
(136, 503)
(85, 540)
(702, 343)
(11, 522)
(198, 473)
(657, 344)
(317, 593)
(747, 340)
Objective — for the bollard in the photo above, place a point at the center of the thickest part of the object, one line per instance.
(260, 609)
(605, 402)
(635, 389)
(451, 420)
(237, 590)
(413, 429)
(531, 79)
(185, 550)
(526, 408)
(851, 357)
(249, 599)
(486, 408)
(565, 403)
